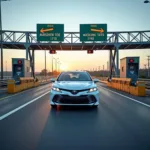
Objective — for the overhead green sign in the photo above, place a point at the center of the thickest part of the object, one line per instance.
(93, 32)
(50, 32)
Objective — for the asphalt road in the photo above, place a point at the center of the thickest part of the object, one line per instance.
(119, 123)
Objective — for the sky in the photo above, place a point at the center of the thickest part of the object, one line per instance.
(119, 15)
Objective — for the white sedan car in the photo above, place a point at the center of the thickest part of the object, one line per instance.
(74, 88)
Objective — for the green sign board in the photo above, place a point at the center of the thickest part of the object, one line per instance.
(50, 32)
(93, 32)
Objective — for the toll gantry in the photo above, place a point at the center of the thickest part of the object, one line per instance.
(91, 37)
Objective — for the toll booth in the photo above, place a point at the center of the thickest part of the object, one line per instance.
(20, 68)
(129, 68)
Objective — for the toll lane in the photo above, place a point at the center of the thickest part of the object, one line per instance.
(118, 123)
(3, 92)
(14, 101)
(145, 99)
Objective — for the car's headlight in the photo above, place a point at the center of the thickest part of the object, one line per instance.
(92, 90)
(56, 89)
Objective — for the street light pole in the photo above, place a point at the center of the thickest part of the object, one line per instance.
(103, 70)
(6, 69)
(45, 63)
(57, 64)
(52, 65)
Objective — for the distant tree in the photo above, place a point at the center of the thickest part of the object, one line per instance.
(43, 72)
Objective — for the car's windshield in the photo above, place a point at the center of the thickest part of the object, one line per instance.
(74, 76)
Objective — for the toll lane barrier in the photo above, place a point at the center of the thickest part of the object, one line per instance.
(139, 90)
(123, 84)
(25, 83)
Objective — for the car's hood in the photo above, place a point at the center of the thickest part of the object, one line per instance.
(74, 85)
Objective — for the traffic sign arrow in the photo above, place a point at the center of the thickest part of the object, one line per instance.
(96, 30)
(46, 30)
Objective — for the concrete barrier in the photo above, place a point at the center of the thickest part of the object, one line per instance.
(123, 84)
(138, 90)
(25, 83)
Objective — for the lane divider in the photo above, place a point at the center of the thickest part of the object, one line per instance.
(132, 99)
(22, 106)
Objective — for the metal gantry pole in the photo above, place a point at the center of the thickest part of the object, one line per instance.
(148, 66)
(117, 54)
(27, 46)
(117, 60)
(1, 42)
(110, 63)
(33, 62)
(1, 39)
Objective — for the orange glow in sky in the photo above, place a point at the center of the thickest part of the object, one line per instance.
(64, 67)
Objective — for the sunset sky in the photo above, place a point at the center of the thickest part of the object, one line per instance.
(120, 15)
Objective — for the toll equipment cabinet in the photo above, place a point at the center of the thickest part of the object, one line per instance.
(20, 68)
(129, 68)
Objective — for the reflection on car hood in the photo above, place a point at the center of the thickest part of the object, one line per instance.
(74, 85)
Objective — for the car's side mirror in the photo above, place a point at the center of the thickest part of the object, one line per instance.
(95, 80)
(52, 80)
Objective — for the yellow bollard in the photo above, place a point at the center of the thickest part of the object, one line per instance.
(141, 88)
(11, 86)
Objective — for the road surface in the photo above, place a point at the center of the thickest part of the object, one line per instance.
(27, 122)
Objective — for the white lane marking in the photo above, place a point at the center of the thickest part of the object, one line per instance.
(22, 106)
(127, 97)
(6, 97)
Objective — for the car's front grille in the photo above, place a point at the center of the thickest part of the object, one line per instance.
(74, 91)
(74, 100)
(65, 99)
